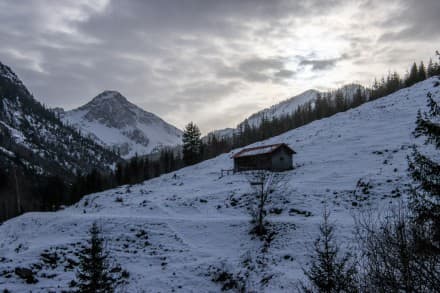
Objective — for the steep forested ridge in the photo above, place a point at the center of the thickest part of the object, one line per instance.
(39, 155)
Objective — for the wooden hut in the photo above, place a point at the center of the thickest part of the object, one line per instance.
(275, 157)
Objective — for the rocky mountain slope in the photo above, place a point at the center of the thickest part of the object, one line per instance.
(37, 151)
(114, 122)
(33, 136)
(179, 231)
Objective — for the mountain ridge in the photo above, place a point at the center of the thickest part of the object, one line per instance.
(29, 124)
(116, 123)
(38, 152)
(285, 108)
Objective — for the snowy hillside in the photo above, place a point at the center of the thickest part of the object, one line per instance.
(172, 232)
(118, 124)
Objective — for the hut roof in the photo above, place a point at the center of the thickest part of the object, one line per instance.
(265, 149)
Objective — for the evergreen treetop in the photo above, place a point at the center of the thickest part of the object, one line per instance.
(329, 271)
(94, 273)
(192, 144)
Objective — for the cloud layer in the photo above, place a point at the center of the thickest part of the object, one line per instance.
(214, 62)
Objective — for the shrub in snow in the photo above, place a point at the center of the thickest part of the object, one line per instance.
(391, 259)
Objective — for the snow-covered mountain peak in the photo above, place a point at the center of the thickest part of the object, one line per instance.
(119, 124)
(112, 109)
(309, 92)
(109, 95)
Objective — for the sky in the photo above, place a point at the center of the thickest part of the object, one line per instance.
(213, 62)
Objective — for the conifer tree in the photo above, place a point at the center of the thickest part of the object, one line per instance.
(425, 171)
(421, 72)
(339, 102)
(191, 144)
(432, 70)
(412, 76)
(319, 106)
(329, 271)
(358, 98)
(94, 273)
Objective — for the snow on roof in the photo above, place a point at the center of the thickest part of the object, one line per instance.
(265, 149)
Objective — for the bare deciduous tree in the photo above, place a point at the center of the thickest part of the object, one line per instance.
(391, 260)
(263, 182)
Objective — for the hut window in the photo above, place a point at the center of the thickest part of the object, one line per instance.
(281, 158)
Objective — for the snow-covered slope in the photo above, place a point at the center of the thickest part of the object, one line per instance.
(118, 124)
(170, 232)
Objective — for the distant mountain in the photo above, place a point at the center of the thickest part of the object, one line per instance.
(36, 137)
(283, 108)
(114, 122)
(219, 134)
(287, 107)
(35, 144)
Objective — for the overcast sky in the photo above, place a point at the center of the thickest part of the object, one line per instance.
(213, 62)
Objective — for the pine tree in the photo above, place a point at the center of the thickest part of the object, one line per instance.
(425, 171)
(412, 76)
(319, 106)
(191, 144)
(339, 102)
(329, 272)
(421, 72)
(358, 98)
(432, 70)
(94, 273)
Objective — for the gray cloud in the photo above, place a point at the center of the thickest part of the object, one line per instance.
(416, 20)
(257, 70)
(284, 73)
(261, 64)
(322, 64)
(206, 92)
(173, 56)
